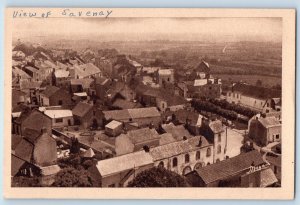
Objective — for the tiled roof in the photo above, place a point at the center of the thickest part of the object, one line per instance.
(24, 150)
(132, 113)
(125, 104)
(113, 124)
(177, 148)
(267, 178)
(269, 121)
(15, 140)
(81, 109)
(86, 82)
(86, 70)
(216, 126)
(256, 91)
(229, 167)
(31, 135)
(50, 90)
(58, 113)
(144, 112)
(16, 164)
(178, 132)
(142, 135)
(123, 163)
(166, 138)
(61, 73)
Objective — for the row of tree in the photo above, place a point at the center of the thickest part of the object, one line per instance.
(234, 107)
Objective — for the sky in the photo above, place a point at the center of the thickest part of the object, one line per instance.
(134, 29)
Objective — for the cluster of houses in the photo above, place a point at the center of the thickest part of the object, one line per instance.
(135, 117)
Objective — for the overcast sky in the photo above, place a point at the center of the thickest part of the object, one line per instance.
(107, 29)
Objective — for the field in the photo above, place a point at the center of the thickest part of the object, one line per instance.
(267, 81)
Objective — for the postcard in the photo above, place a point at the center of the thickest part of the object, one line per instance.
(123, 103)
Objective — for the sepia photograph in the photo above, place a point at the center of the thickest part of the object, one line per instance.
(148, 99)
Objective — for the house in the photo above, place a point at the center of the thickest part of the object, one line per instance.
(86, 115)
(118, 171)
(162, 99)
(88, 70)
(275, 164)
(102, 85)
(83, 85)
(165, 76)
(62, 78)
(192, 120)
(216, 133)
(272, 104)
(32, 119)
(264, 129)
(245, 170)
(53, 96)
(183, 156)
(114, 128)
(18, 97)
(136, 140)
(208, 88)
(60, 118)
(253, 97)
(35, 154)
(178, 132)
(142, 116)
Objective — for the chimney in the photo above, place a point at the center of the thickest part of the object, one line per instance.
(146, 148)
(200, 142)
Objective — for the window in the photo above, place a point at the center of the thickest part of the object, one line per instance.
(187, 158)
(277, 137)
(60, 102)
(175, 162)
(218, 160)
(219, 137)
(58, 120)
(208, 152)
(219, 149)
(197, 155)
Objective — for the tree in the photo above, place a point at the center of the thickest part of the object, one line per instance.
(71, 177)
(75, 147)
(158, 177)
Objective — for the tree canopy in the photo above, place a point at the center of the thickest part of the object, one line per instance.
(158, 177)
(71, 177)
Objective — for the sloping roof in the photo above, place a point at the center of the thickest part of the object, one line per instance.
(113, 124)
(125, 104)
(28, 85)
(229, 167)
(142, 135)
(50, 90)
(177, 148)
(81, 109)
(267, 178)
(89, 153)
(58, 113)
(24, 150)
(86, 70)
(123, 163)
(15, 140)
(256, 91)
(165, 71)
(178, 132)
(61, 73)
(216, 126)
(85, 82)
(166, 138)
(31, 135)
(183, 115)
(16, 164)
(144, 112)
(275, 160)
(101, 80)
(269, 121)
(50, 170)
(200, 82)
(117, 114)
